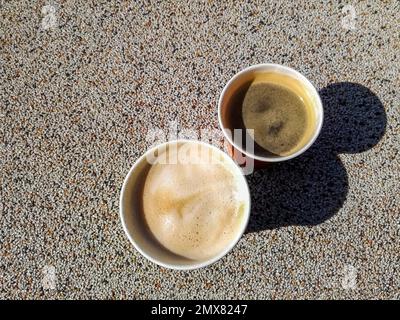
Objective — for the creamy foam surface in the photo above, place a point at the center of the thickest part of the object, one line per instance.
(195, 206)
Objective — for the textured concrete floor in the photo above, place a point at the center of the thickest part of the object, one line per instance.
(79, 94)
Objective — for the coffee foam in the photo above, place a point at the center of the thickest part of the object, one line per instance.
(194, 208)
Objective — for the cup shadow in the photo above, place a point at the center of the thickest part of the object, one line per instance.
(311, 188)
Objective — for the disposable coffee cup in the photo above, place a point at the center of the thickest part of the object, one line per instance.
(135, 228)
(237, 148)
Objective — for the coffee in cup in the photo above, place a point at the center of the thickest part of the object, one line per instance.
(193, 206)
(184, 204)
(277, 110)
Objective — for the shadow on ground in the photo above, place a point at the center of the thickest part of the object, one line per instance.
(313, 187)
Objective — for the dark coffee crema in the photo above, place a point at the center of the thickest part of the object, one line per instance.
(278, 110)
(277, 115)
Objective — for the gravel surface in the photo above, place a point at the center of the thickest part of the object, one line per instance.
(81, 92)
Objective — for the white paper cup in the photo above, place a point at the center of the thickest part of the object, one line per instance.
(131, 214)
(244, 76)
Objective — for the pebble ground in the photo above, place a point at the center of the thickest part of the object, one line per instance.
(81, 92)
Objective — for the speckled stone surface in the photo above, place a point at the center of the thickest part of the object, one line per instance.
(79, 94)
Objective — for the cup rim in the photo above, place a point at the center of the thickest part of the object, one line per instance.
(194, 265)
(303, 79)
